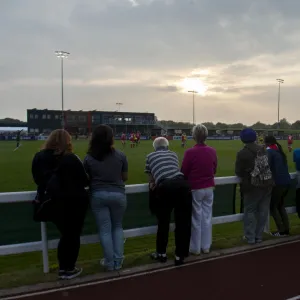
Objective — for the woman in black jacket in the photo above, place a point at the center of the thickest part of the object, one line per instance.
(59, 174)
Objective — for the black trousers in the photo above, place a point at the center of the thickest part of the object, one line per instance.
(174, 195)
(70, 225)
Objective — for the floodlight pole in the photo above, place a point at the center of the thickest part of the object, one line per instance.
(62, 55)
(194, 92)
(280, 81)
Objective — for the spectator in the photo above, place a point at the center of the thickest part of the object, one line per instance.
(256, 185)
(171, 192)
(55, 168)
(279, 168)
(296, 159)
(199, 168)
(108, 170)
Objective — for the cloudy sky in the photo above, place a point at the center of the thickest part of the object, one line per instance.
(147, 54)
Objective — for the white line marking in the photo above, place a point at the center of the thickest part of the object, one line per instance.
(294, 298)
(83, 285)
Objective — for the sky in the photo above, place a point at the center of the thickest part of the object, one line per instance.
(147, 54)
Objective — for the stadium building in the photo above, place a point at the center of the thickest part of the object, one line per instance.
(82, 122)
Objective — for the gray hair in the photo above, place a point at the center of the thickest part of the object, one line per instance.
(200, 133)
(160, 142)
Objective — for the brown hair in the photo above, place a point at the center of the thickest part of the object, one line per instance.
(60, 141)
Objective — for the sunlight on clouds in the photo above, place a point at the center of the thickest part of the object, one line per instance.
(193, 84)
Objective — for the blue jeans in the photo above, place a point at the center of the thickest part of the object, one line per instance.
(109, 209)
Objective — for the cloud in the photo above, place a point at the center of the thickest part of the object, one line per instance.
(140, 52)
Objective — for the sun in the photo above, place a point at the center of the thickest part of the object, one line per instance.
(193, 84)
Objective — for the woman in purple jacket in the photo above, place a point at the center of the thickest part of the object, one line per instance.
(199, 168)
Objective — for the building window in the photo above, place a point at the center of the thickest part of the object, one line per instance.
(36, 130)
(48, 117)
(31, 130)
(56, 117)
(82, 118)
(44, 117)
(31, 116)
(36, 116)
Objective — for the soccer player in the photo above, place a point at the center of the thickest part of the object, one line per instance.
(18, 139)
(123, 139)
(261, 139)
(290, 142)
(138, 137)
(183, 140)
(132, 142)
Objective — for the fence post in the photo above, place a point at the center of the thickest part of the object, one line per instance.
(45, 247)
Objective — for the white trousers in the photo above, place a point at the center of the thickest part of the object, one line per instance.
(201, 236)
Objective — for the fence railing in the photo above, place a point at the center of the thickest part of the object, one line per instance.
(20, 234)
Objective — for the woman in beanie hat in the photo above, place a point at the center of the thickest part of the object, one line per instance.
(256, 199)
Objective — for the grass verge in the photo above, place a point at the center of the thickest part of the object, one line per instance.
(26, 269)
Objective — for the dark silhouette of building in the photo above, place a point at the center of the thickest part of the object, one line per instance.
(82, 122)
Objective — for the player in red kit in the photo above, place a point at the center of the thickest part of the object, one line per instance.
(290, 143)
(132, 141)
(138, 137)
(123, 139)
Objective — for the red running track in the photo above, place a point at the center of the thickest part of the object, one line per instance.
(266, 274)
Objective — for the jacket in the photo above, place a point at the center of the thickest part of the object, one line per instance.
(199, 166)
(70, 173)
(279, 168)
(244, 164)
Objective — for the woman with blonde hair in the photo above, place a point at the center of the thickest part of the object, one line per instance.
(199, 167)
(60, 177)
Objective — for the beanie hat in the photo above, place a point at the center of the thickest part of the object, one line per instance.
(248, 135)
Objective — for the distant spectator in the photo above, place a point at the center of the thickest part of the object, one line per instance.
(171, 192)
(296, 159)
(256, 185)
(60, 173)
(108, 170)
(279, 168)
(199, 168)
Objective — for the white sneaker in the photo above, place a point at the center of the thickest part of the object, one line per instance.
(206, 251)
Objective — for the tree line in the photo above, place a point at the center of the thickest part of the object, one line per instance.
(283, 124)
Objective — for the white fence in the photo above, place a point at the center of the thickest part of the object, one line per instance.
(44, 244)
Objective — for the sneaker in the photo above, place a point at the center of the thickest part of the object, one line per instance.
(179, 261)
(206, 251)
(67, 275)
(195, 253)
(118, 265)
(247, 240)
(103, 264)
(159, 257)
(278, 234)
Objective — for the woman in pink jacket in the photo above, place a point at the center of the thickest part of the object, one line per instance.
(199, 168)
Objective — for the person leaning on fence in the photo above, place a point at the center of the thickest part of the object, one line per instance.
(296, 160)
(169, 191)
(199, 167)
(253, 169)
(61, 180)
(108, 170)
(282, 179)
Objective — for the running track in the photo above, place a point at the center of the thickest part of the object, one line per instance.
(266, 274)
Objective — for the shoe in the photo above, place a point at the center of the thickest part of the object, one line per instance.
(194, 253)
(103, 264)
(278, 234)
(206, 251)
(179, 261)
(67, 275)
(247, 240)
(258, 241)
(159, 257)
(118, 265)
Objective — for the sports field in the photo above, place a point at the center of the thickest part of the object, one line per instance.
(16, 165)
(22, 269)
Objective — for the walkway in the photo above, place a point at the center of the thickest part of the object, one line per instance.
(265, 274)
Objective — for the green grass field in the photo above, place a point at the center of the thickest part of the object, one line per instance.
(16, 166)
(22, 269)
